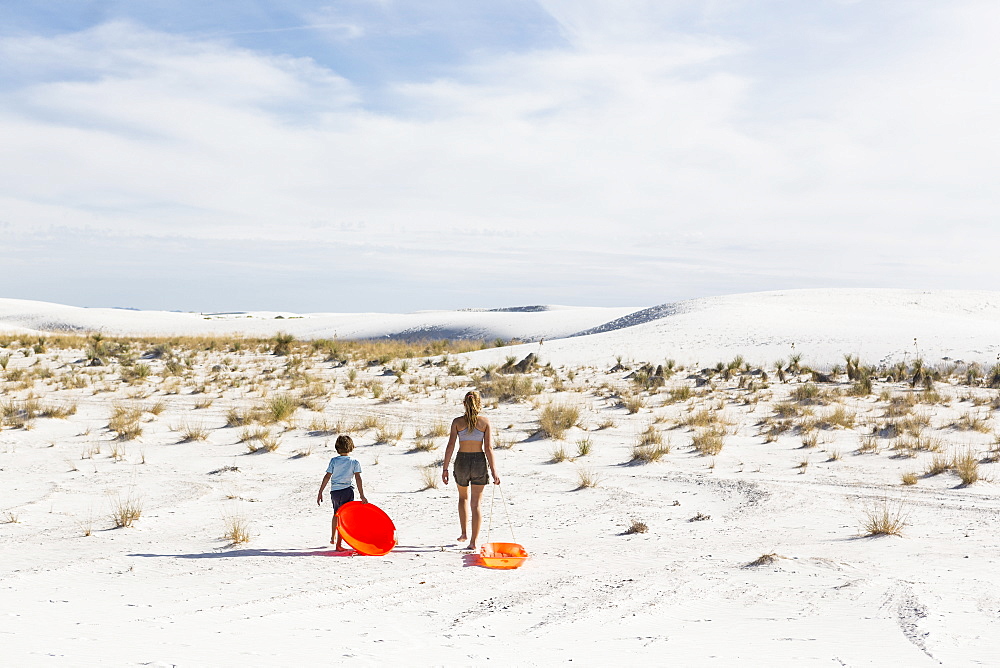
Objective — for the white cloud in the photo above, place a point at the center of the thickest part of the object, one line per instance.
(639, 139)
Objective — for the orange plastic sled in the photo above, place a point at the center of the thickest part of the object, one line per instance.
(503, 555)
(367, 528)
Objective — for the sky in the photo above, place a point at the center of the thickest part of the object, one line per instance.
(379, 155)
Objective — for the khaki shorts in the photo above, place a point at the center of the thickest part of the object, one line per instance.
(471, 468)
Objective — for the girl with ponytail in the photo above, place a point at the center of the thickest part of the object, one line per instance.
(473, 463)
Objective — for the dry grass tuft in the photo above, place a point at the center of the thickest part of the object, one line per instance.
(708, 441)
(125, 510)
(882, 517)
(938, 465)
(909, 478)
(765, 560)
(556, 419)
(237, 529)
(637, 526)
(966, 465)
(192, 432)
(429, 477)
(559, 454)
(586, 478)
(583, 447)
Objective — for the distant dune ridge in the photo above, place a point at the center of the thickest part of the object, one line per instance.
(880, 325)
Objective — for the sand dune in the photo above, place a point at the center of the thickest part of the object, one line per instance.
(799, 467)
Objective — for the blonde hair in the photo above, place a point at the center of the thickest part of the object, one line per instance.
(344, 444)
(473, 406)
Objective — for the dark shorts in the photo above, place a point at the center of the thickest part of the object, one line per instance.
(470, 468)
(339, 497)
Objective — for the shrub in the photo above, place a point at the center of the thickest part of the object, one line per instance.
(583, 447)
(556, 419)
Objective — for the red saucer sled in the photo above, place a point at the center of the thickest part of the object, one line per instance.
(366, 528)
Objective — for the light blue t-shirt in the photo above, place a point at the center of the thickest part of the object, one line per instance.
(342, 469)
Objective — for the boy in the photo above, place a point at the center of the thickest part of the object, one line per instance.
(338, 474)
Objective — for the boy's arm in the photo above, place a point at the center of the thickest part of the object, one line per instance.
(361, 489)
(488, 449)
(319, 497)
(449, 450)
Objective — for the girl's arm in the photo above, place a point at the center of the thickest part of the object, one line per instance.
(361, 489)
(319, 497)
(488, 449)
(452, 438)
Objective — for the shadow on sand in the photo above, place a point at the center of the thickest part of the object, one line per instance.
(311, 552)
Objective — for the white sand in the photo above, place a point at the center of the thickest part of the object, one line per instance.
(169, 591)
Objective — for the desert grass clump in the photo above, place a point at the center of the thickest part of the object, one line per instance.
(388, 435)
(279, 407)
(424, 444)
(608, 423)
(369, 422)
(839, 417)
(156, 408)
(703, 418)
(649, 447)
(810, 439)
(583, 447)
(270, 443)
(972, 422)
(125, 509)
(708, 441)
(938, 465)
(11, 517)
(557, 419)
(192, 432)
(503, 387)
(637, 526)
(679, 394)
(204, 403)
(908, 478)
(429, 477)
(765, 560)
(247, 434)
(966, 465)
(633, 403)
(586, 478)
(236, 529)
(124, 421)
(559, 454)
(834, 456)
(882, 517)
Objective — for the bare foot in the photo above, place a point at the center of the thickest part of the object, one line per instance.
(333, 541)
(461, 538)
(470, 546)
